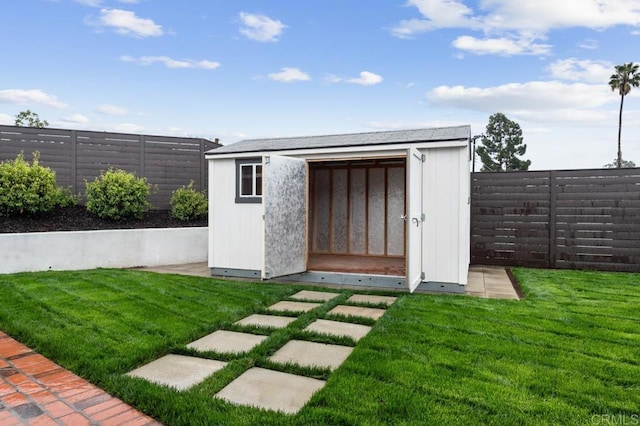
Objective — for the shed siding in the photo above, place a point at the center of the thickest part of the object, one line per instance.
(464, 197)
(445, 195)
(235, 229)
(235, 237)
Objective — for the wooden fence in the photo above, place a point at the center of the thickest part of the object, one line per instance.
(166, 162)
(576, 219)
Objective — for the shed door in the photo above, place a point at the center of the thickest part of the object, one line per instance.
(284, 205)
(414, 218)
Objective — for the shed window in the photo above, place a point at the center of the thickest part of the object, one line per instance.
(249, 181)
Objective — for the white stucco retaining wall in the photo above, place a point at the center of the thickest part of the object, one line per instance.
(42, 251)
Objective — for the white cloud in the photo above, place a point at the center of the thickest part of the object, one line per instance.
(366, 78)
(589, 44)
(517, 20)
(582, 70)
(437, 14)
(92, 3)
(537, 17)
(500, 46)
(170, 62)
(332, 78)
(544, 15)
(76, 119)
(260, 27)
(126, 22)
(110, 110)
(7, 120)
(33, 96)
(288, 74)
(552, 101)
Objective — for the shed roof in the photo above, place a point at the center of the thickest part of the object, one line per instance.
(346, 140)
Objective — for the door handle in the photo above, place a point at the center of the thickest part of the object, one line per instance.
(416, 220)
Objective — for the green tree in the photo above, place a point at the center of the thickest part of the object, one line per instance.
(29, 118)
(625, 164)
(502, 143)
(625, 77)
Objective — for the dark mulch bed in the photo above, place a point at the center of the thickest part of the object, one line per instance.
(79, 219)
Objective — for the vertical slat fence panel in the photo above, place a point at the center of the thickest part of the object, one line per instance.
(573, 219)
(76, 156)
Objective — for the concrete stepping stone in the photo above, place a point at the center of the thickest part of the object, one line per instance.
(312, 354)
(320, 296)
(337, 328)
(271, 390)
(178, 371)
(365, 298)
(293, 306)
(270, 321)
(358, 311)
(227, 342)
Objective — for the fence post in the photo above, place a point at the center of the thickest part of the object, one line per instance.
(73, 140)
(141, 145)
(203, 165)
(553, 195)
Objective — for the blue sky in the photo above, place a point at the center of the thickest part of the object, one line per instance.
(245, 69)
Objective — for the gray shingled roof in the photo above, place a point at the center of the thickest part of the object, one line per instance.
(346, 140)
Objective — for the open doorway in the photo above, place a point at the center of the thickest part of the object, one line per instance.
(356, 210)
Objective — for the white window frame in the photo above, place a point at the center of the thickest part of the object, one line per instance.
(254, 197)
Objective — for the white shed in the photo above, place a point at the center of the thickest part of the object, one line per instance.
(383, 209)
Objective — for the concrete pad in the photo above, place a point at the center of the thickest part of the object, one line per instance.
(178, 371)
(269, 321)
(490, 282)
(337, 328)
(271, 390)
(293, 306)
(312, 354)
(497, 280)
(227, 342)
(358, 311)
(364, 298)
(496, 295)
(474, 288)
(200, 269)
(321, 296)
(475, 282)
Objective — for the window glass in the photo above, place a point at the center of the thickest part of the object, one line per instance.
(258, 183)
(246, 183)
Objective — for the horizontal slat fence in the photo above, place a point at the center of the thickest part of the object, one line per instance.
(573, 219)
(76, 156)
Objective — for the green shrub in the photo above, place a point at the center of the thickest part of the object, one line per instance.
(28, 188)
(117, 195)
(188, 204)
(66, 198)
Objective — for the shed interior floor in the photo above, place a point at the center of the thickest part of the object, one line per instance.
(357, 264)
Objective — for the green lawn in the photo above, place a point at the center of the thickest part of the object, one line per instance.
(568, 352)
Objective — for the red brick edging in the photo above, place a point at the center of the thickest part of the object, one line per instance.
(36, 391)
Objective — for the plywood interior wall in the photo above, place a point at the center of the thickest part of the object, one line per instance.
(356, 207)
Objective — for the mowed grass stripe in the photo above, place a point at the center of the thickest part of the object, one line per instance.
(565, 353)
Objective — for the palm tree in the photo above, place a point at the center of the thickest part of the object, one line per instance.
(626, 76)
